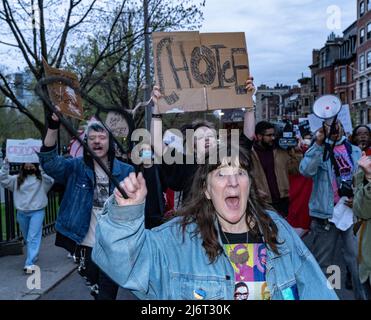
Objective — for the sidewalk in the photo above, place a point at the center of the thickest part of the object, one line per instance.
(54, 267)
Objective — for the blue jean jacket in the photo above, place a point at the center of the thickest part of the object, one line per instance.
(75, 210)
(160, 264)
(321, 203)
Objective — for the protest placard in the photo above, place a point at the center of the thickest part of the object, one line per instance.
(63, 96)
(201, 71)
(118, 125)
(23, 151)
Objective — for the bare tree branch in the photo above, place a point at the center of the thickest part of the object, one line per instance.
(9, 44)
(22, 44)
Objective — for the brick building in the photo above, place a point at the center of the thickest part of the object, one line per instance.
(344, 67)
(362, 74)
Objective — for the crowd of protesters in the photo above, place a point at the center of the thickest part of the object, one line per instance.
(235, 231)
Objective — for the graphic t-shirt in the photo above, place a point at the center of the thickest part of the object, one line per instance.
(248, 256)
(101, 194)
(345, 166)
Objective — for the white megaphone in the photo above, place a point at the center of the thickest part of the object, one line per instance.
(327, 107)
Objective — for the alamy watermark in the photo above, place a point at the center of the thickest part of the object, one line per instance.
(34, 280)
(334, 279)
(198, 146)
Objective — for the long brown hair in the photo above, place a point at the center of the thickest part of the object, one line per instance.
(198, 209)
(23, 175)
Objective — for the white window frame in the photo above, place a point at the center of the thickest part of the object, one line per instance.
(362, 63)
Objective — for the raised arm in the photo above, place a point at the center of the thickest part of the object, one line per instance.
(156, 123)
(313, 157)
(46, 180)
(249, 118)
(55, 166)
(50, 139)
(125, 250)
(7, 181)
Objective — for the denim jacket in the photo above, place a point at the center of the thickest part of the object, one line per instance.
(162, 264)
(321, 203)
(75, 210)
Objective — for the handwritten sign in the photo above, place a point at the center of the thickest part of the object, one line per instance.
(201, 71)
(118, 125)
(23, 151)
(62, 95)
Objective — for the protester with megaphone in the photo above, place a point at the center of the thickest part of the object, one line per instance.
(331, 163)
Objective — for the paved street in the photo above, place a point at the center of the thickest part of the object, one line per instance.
(73, 288)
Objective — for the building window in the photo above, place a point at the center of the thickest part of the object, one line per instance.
(323, 84)
(368, 88)
(361, 8)
(369, 31)
(323, 59)
(343, 75)
(362, 63)
(362, 36)
(352, 94)
(369, 59)
(337, 76)
(368, 5)
(361, 90)
(342, 97)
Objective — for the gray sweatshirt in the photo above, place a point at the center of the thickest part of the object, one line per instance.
(33, 193)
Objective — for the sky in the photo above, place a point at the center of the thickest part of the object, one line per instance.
(280, 34)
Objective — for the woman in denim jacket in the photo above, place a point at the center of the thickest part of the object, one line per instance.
(224, 244)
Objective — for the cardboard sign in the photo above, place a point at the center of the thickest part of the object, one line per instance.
(343, 117)
(62, 95)
(118, 125)
(201, 71)
(23, 151)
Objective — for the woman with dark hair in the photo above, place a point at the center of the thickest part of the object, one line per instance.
(361, 137)
(189, 257)
(30, 194)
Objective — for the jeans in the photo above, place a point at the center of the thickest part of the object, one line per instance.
(31, 224)
(325, 236)
(107, 288)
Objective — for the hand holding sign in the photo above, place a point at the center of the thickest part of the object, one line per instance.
(23, 151)
(201, 71)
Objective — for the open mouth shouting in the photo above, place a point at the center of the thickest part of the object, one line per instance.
(232, 202)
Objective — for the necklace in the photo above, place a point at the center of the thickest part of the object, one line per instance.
(226, 238)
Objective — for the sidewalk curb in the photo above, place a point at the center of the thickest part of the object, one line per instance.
(56, 283)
